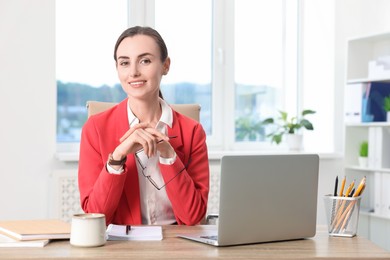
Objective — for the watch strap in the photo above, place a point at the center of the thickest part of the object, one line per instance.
(111, 160)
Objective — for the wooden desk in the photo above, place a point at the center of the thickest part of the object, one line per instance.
(320, 247)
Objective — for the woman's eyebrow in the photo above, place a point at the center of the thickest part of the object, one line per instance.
(145, 54)
(139, 56)
(123, 57)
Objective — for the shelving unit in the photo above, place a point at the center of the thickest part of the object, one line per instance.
(372, 224)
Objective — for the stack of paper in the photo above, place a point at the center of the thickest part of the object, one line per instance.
(118, 232)
(33, 232)
(6, 241)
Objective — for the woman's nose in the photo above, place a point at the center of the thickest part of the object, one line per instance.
(134, 72)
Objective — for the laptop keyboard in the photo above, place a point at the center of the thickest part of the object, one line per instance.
(210, 237)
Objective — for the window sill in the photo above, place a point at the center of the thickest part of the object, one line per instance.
(213, 155)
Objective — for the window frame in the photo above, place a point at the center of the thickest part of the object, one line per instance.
(223, 83)
(141, 12)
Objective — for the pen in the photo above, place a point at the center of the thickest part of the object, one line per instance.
(340, 210)
(352, 192)
(344, 217)
(128, 228)
(334, 202)
(335, 185)
(170, 137)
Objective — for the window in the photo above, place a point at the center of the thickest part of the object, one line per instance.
(241, 60)
(86, 32)
(244, 46)
(259, 56)
(189, 79)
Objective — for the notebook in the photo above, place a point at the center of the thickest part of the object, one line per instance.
(265, 198)
(35, 229)
(136, 233)
(6, 241)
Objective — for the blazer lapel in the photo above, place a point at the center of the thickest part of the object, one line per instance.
(122, 120)
(177, 142)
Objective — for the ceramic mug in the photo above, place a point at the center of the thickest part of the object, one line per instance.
(88, 230)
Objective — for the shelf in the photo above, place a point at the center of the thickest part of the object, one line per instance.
(361, 51)
(375, 37)
(367, 80)
(366, 169)
(360, 73)
(383, 124)
(374, 215)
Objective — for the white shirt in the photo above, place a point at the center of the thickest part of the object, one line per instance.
(156, 208)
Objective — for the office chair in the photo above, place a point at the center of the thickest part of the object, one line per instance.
(190, 110)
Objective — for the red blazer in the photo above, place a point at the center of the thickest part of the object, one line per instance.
(118, 196)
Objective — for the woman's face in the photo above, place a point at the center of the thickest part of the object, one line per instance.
(139, 66)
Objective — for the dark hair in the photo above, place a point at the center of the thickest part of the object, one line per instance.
(139, 30)
(144, 30)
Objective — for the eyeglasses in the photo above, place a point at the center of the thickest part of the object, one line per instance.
(150, 177)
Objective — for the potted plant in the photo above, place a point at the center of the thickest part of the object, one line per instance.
(289, 126)
(363, 154)
(386, 107)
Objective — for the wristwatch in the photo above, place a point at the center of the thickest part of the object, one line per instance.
(111, 161)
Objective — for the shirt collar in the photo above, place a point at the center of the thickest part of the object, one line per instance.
(166, 114)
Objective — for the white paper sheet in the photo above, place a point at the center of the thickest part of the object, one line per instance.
(141, 233)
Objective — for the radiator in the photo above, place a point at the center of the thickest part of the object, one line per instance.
(65, 196)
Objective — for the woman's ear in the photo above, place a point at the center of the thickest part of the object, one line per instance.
(166, 66)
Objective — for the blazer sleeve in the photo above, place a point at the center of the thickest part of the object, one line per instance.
(188, 191)
(100, 191)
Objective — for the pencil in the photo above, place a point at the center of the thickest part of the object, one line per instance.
(360, 187)
(342, 186)
(344, 217)
(337, 220)
(349, 188)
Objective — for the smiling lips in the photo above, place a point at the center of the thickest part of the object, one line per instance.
(137, 83)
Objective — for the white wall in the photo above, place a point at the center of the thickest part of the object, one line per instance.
(27, 106)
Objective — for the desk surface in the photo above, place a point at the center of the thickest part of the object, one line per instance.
(320, 247)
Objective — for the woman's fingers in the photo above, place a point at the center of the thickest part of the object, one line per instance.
(142, 135)
(160, 136)
(148, 142)
(132, 129)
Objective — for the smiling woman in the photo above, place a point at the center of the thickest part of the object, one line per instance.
(141, 162)
(145, 63)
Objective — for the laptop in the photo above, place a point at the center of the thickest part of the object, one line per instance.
(265, 198)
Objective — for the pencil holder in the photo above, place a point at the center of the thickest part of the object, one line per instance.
(342, 214)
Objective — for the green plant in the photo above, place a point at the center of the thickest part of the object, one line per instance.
(247, 128)
(386, 104)
(286, 125)
(363, 151)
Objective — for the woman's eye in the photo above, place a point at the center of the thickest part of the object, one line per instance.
(145, 61)
(124, 63)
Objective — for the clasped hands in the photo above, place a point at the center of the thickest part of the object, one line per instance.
(143, 136)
